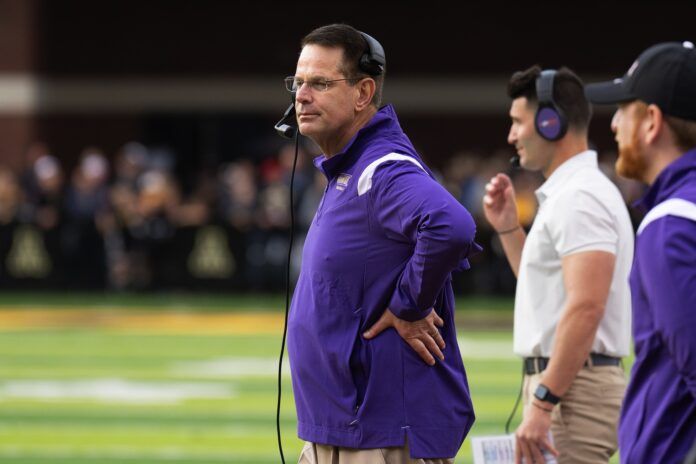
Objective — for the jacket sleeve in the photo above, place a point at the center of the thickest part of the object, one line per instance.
(671, 291)
(412, 207)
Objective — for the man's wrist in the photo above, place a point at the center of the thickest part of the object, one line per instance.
(538, 404)
(508, 230)
(543, 394)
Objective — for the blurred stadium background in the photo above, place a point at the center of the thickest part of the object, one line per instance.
(143, 203)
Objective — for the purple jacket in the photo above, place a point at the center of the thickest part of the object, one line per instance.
(658, 419)
(384, 235)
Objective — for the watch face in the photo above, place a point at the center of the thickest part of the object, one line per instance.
(544, 394)
(541, 392)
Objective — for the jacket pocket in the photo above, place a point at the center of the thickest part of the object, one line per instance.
(360, 361)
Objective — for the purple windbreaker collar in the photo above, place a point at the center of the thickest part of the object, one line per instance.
(383, 119)
(667, 181)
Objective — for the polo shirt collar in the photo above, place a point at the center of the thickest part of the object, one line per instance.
(563, 173)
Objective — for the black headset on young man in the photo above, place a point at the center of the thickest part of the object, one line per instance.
(550, 121)
(371, 62)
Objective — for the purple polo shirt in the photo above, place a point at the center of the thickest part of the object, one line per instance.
(658, 419)
(385, 234)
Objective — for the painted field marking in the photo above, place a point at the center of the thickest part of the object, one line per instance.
(142, 321)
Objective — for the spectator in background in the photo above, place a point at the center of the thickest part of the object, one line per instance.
(46, 206)
(27, 177)
(10, 197)
(462, 180)
(87, 194)
(268, 246)
(48, 195)
(238, 195)
(274, 213)
(152, 228)
(86, 210)
(304, 171)
(526, 184)
(129, 164)
(10, 204)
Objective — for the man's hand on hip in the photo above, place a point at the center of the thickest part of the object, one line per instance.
(423, 335)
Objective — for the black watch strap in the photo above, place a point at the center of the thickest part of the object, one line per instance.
(542, 393)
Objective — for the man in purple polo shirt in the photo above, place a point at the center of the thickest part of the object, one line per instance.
(655, 127)
(377, 374)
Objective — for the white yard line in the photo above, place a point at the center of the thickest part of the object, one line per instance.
(112, 390)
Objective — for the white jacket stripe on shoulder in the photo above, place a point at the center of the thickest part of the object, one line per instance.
(365, 180)
(672, 207)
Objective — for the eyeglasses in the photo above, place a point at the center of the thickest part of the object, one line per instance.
(293, 83)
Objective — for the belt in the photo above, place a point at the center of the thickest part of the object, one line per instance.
(537, 365)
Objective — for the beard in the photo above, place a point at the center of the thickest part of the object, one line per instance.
(631, 161)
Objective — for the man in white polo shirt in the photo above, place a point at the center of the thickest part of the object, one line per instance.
(572, 306)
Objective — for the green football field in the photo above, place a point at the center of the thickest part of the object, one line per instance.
(183, 379)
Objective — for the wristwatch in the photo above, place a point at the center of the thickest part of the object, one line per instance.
(542, 393)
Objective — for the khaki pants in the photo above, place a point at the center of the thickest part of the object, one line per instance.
(313, 453)
(584, 423)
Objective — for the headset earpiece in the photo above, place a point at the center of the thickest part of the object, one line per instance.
(549, 120)
(373, 60)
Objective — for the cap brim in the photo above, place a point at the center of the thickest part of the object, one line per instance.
(608, 92)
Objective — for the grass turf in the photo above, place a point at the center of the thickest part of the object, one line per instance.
(91, 394)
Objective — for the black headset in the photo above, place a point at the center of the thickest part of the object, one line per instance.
(372, 61)
(550, 121)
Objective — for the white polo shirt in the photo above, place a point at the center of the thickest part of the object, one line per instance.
(580, 209)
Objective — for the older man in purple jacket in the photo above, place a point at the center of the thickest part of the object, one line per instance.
(377, 374)
(655, 127)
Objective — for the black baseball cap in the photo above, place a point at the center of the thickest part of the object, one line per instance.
(664, 74)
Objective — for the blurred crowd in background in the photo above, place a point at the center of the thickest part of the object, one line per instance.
(121, 221)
